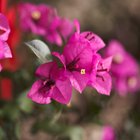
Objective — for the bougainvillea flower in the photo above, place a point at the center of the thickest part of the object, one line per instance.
(52, 35)
(126, 79)
(80, 58)
(103, 81)
(65, 27)
(10, 11)
(51, 85)
(4, 33)
(4, 28)
(78, 62)
(93, 40)
(59, 29)
(108, 133)
(36, 18)
(43, 20)
(4, 50)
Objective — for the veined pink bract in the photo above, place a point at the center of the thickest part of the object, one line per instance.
(52, 84)
(4, 33)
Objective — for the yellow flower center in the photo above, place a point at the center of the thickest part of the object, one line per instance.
(118, 58)
(36, 15)
(83, 71)
(132, 81)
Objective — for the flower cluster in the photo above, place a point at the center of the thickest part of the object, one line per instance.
(4, 33)
(125, 69)
(82, 66)
(43, 20)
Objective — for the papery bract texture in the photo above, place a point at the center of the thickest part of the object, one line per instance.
(4, 34)
(81, 61)
(77, 58)
(4, 28)
(103, 81)
(52, 85)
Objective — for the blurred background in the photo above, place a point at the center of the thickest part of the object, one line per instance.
(88, 113)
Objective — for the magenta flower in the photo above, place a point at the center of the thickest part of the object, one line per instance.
(4, 33)
(80, 60)
(93, 40)
(43, 20)
(65, 28)
(58, 30)
(51, 85)
(36, 18)
(103, 81)
(78, 69)
(108, 133)
(126, 79)
(4, 28)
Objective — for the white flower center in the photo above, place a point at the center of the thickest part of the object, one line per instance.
(132, 82)
(118, 58)
(36, 15)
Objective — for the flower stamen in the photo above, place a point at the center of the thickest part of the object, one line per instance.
(83, 71)
(36, 15)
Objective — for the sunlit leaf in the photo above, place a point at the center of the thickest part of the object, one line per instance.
(40, 49)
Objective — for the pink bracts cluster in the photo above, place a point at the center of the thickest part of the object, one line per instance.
(4, 33)
(125, 69)
(43, 20)
(82, 66)
(108, 133)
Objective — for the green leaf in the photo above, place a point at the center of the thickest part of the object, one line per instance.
(40, 49)
(11, 112)
(17, 130)
(47, 126)
(25, 104)
(75, 133)
(2, 134)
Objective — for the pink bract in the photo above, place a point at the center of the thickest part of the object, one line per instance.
(4, 33)
(43, 20)
(52, 85)
(80, 60)
(125, 69)
(103, 80)
(108, 133)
